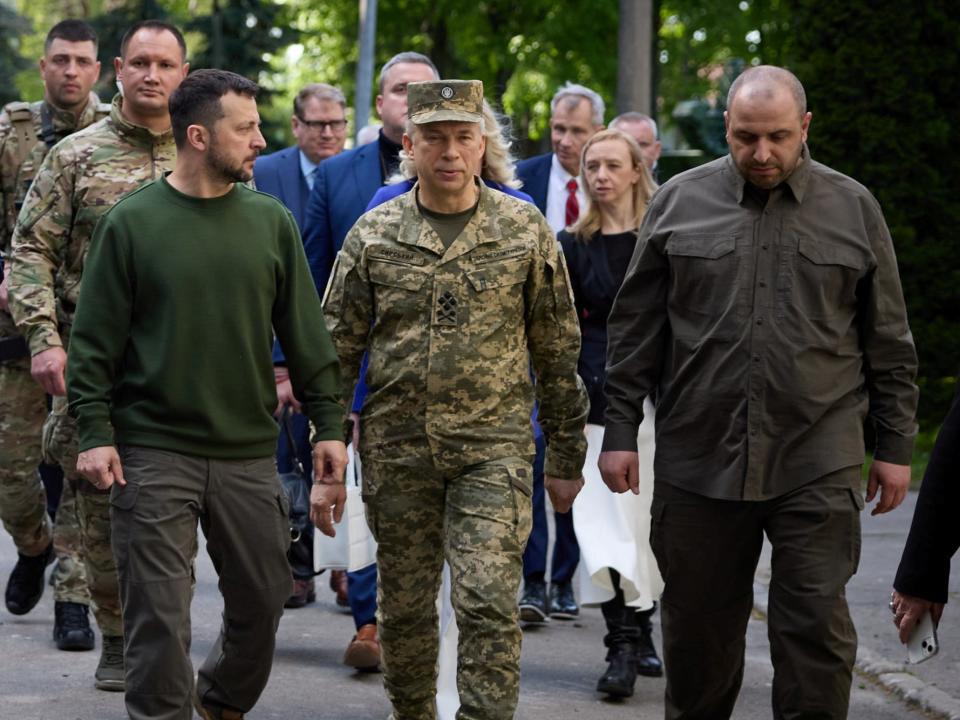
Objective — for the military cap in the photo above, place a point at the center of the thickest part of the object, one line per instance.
(438, 100)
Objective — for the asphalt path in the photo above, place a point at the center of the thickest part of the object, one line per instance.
(560, 663)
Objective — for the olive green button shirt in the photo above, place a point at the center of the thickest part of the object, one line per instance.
(766, 331)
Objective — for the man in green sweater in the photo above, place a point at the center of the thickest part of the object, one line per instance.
(171, 382)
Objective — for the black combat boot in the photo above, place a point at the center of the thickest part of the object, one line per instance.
(622, 638)
(71, 626)
(25, 586)
(648, 662)
(621, 674)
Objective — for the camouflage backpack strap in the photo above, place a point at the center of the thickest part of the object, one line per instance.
(21, 119)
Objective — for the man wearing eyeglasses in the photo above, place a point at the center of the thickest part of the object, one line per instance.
(320, 126)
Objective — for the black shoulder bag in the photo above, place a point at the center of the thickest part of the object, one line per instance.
(295, 484)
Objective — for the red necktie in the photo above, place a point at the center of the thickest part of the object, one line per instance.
(572, 207)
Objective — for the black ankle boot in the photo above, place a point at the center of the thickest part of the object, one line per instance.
(621, 674)
(648, 662)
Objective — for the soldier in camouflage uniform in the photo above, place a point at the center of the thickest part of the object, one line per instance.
(455, 291)
(79, 181)
(69, 69)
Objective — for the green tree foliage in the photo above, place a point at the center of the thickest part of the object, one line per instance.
(522, 51)
(13, 27)
(882, 81)
(241, 35)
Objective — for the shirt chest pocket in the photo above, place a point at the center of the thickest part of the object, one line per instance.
(825, 277)
(400, 291)
(496, 300)
(703, 275)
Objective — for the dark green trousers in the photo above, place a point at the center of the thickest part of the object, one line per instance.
(243, 512)
(708, 551)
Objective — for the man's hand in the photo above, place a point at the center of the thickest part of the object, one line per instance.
(908, 611)
(620, 470)
(893, 482)
(562, 492)
(49, 370)
(329, 462)
(326, 506)
(281, 376)
(4, 285)
(101, 466)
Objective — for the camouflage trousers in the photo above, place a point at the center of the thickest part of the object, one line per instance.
(70, 575)
(93, 516)
(23, 501)
(478, 519)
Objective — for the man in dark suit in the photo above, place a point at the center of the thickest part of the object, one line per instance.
(319, 124)
(576, 113)
(552, 180)
(344, 186)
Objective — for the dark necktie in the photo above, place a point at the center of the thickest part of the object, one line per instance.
(572, 207)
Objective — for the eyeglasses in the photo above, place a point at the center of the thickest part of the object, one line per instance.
(321, 125)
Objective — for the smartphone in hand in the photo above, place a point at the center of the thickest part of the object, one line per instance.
(923, 644)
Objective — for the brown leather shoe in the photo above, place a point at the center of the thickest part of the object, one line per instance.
(338, 583)
(363, 652)
(304, 592)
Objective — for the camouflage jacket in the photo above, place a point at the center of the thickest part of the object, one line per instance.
(79, 180)
(24, 142)
(452, 335)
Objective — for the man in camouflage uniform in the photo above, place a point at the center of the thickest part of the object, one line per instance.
(69, 69)
(455, 291)
(79, 181)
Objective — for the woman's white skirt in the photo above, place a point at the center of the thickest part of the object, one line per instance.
(613, 530)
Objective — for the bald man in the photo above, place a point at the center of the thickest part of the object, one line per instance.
(643, 129)
(765, 314)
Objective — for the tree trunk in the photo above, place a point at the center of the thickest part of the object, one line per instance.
(635, 48)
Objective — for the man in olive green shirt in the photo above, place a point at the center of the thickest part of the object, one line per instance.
(763, 311)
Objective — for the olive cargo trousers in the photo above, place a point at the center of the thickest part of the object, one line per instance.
(708, 551)
(243, 512)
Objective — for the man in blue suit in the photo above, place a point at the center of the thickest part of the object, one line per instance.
(552, 180)
(343, 187)
(319, 124)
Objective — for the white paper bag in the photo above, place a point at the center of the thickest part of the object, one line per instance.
(363, 548)
(353, 547)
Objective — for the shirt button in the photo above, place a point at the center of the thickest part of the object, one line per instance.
(759, 321)
(763, 283)
(756, 358)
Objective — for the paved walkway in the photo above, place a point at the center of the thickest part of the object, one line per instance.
(560, 662)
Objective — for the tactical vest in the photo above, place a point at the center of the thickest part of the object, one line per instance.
(28, 136)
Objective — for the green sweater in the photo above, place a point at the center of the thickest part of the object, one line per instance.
(171, 344)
